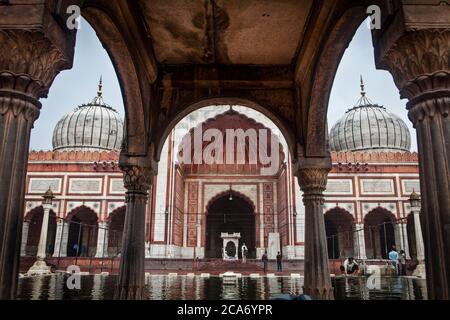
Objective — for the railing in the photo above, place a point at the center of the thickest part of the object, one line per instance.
(80, 243)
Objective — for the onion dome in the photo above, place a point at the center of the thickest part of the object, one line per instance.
(92, 126)
(370, 127)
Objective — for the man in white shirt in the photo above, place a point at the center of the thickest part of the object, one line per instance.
(350, 267)
(244, 252)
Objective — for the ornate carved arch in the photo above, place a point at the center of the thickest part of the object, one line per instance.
(315, 92)
(341, 211)
(36, 210)
(282, 124)
(115, 212)
(80, 209)
(378, 213)
(134, 64)
(235, 194)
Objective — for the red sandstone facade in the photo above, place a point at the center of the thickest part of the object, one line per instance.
(89, 185)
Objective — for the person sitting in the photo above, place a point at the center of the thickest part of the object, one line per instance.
(350, 267)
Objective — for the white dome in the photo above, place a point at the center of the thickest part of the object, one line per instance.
(370, 127)
(93, 126)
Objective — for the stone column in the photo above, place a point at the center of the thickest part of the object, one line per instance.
(138, 181)
(29, 61)
(102, 240)
(317, 284)
(415, 50)
(405, 240)
(39, 266)
(62, 234)
(360, 242)
(401, 239)
(23, 245)
(420, 250)
(42, 247)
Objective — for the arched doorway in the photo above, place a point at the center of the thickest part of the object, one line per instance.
(230, 212)
(116, 222)
(339, 226)
(379, 233)
(34, 218)
(83, 229)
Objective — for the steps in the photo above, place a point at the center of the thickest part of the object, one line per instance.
(221, 265)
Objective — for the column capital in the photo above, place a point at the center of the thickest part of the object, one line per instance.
(418, 61)
(137, 179)
(29, 62)
(313, 181)
(35, 49)
(414, 46)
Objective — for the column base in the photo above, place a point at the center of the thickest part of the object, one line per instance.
(319, 293)
(39, 268)
(420, 271)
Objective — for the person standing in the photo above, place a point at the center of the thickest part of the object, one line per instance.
(393, 258)
(279, 262)
(402, 261)
(75, 249)
(265, 260)
(244, 252)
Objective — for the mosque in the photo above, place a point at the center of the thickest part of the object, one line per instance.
(367, 201)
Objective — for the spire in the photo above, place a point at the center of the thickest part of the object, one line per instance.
(363, 101)
(98, 100)
(100, 87)
(363, 93)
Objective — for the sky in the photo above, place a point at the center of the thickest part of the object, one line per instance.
(78, 85)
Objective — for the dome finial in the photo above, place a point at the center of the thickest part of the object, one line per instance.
(363, 92)
(100, 87)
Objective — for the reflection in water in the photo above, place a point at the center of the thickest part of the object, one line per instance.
(37, 287)
(391, 288)
(159, 287)
(97, 288)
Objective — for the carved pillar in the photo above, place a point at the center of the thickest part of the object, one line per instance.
(62, 235)
(29, 61)
(102, 240)
(317, 284)
(359, 242)
(416, 51)
(420, 270)
(138, 181)
(23, 246)
(42, 247)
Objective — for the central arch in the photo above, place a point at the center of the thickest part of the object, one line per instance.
(284, 126)
(230, 212)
